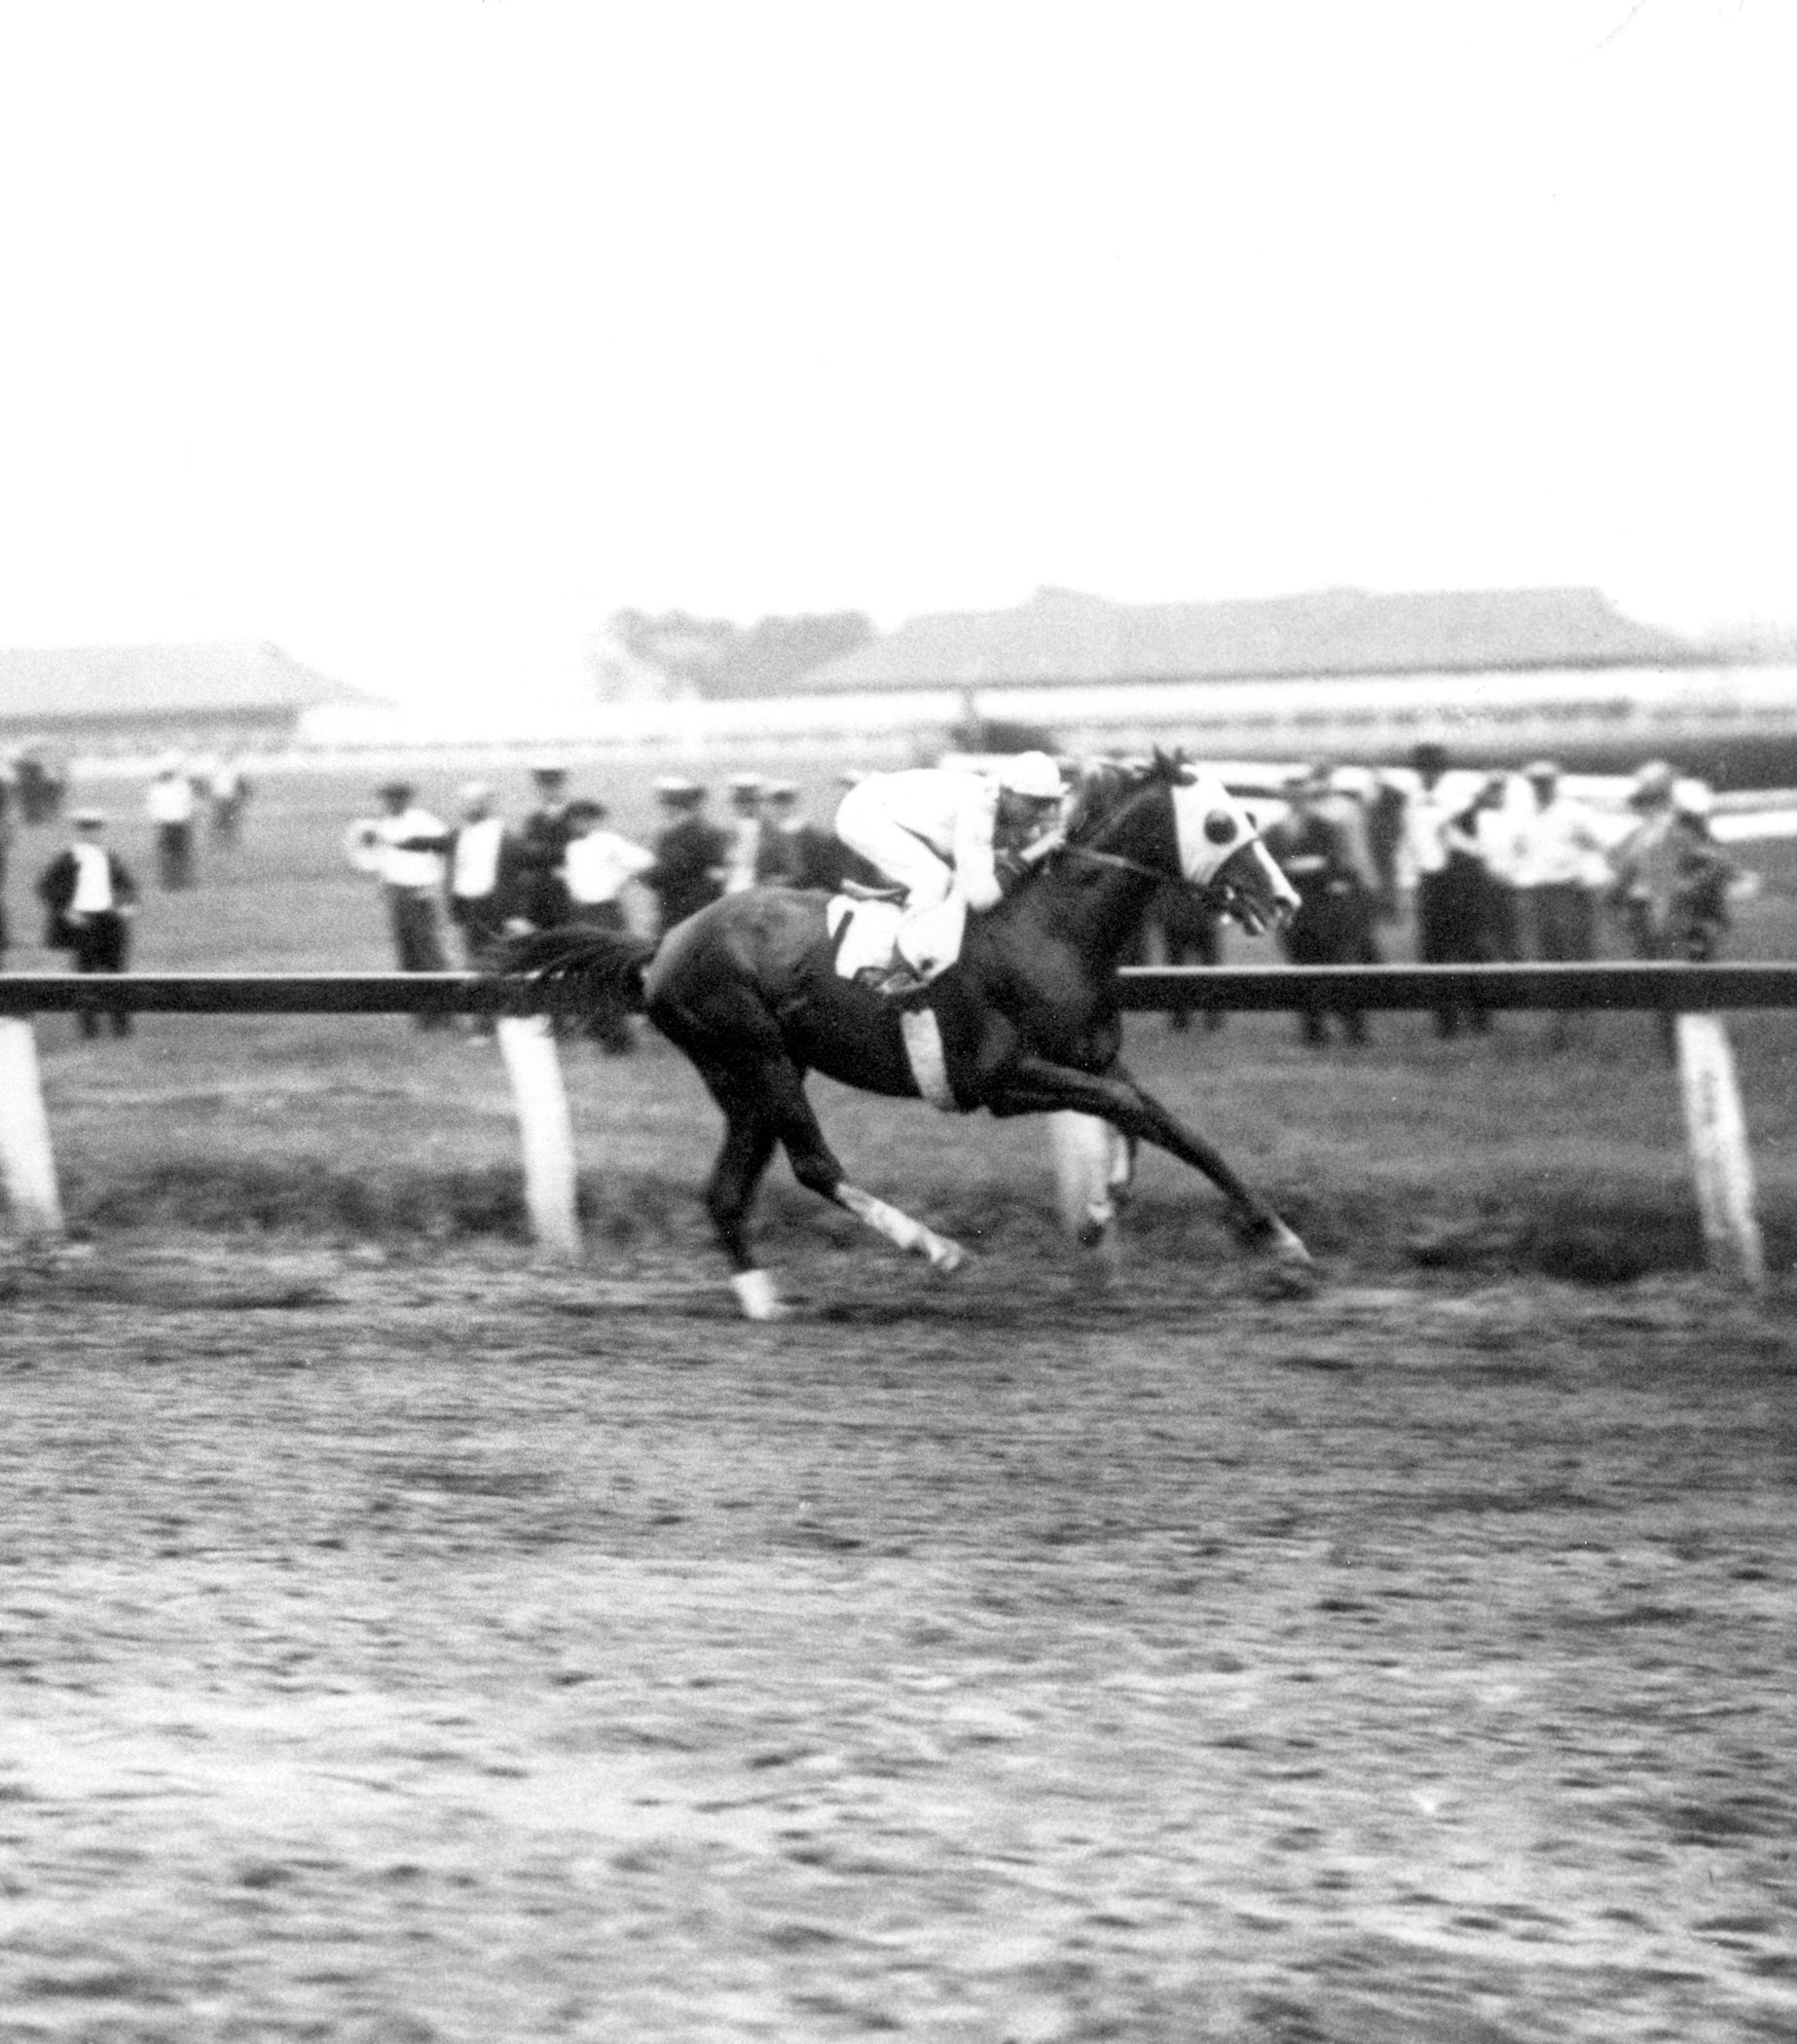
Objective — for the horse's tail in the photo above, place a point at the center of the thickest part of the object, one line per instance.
(590, 974)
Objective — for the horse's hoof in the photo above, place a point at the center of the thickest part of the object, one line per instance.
(1283, 1246)
(755, 1294)
(945, 1256)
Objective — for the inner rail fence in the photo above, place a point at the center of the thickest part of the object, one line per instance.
(1693, 995)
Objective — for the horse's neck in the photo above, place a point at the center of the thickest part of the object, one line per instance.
(1095, 909)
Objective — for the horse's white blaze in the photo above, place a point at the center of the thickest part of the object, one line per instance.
(755, 1294)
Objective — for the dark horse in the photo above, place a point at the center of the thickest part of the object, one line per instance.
(1028, 1015)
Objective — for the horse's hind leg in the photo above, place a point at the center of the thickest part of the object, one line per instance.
(763, 1100)
(815, 1166)
(748, 1143)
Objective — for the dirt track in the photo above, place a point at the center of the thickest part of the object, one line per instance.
(437, 1650)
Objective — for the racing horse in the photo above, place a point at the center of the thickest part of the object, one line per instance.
(1028, 1016)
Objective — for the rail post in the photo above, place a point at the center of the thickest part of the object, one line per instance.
(547, 1131)
(27, 1163)
(1721, 1163)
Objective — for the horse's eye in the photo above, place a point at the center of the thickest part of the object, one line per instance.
(1219, 826)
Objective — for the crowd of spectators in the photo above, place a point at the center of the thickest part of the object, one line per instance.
(1498, 868)
(1485, 867)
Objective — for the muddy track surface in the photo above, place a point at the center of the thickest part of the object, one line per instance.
(442, 1650)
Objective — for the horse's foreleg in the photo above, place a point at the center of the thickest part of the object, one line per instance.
(1035, 1084)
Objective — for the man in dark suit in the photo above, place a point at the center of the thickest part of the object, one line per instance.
(690, 853)
(1334, 921)
(89, 898)
(797, 852)
(541, 896)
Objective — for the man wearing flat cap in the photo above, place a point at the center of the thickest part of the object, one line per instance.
(689, 852)
(90, 897)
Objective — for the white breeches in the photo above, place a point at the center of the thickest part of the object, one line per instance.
(901, 856)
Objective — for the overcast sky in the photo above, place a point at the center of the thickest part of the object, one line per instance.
(420, 335)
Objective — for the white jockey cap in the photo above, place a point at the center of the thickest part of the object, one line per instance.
(1032, 774)
(1694, 798)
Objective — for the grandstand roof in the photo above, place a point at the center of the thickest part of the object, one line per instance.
(1064, 635)
(90, 684)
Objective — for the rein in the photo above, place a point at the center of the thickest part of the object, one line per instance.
(1113, 859)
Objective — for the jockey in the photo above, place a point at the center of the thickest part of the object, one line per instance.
(938, 831)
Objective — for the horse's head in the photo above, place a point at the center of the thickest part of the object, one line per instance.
(1175, 820)
(1220, 854)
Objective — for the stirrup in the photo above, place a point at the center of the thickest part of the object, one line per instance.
(892, 982)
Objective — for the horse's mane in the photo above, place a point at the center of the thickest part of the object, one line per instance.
(1105, 785)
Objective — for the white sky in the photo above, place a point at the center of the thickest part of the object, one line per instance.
(419, 335)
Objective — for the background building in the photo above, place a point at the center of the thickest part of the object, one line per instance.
(224, 695)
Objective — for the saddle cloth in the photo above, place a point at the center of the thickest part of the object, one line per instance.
(868, 937)
(932, 936)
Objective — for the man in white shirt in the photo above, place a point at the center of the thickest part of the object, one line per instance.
(1559, 864)
(1448, 931)
(91, 898)
(402, 850)
(597, 866)
(172, 805)
(484, 871)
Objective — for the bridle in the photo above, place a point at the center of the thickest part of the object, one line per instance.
(1220, 894)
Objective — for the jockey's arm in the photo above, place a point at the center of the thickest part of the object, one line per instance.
(975, 873)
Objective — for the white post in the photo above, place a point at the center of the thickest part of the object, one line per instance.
(1717, 1131)
(546, 1130)
(27, 1163)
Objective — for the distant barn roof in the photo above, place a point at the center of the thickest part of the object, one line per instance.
(215, 677)
(1064, 635)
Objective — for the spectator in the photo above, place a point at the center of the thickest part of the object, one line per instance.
(482, 868)
(1483, 861)
(541, 896)
(1560, 862)
(90, 897)
(742, 859)
(227, 790)
(40, 786)
(172, 806)
(1672, 878)
(1561, 866)
(402, 850)
(1334, 921)
(689, 853)
(781, 857)
(1447, 918)
(596, 869)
